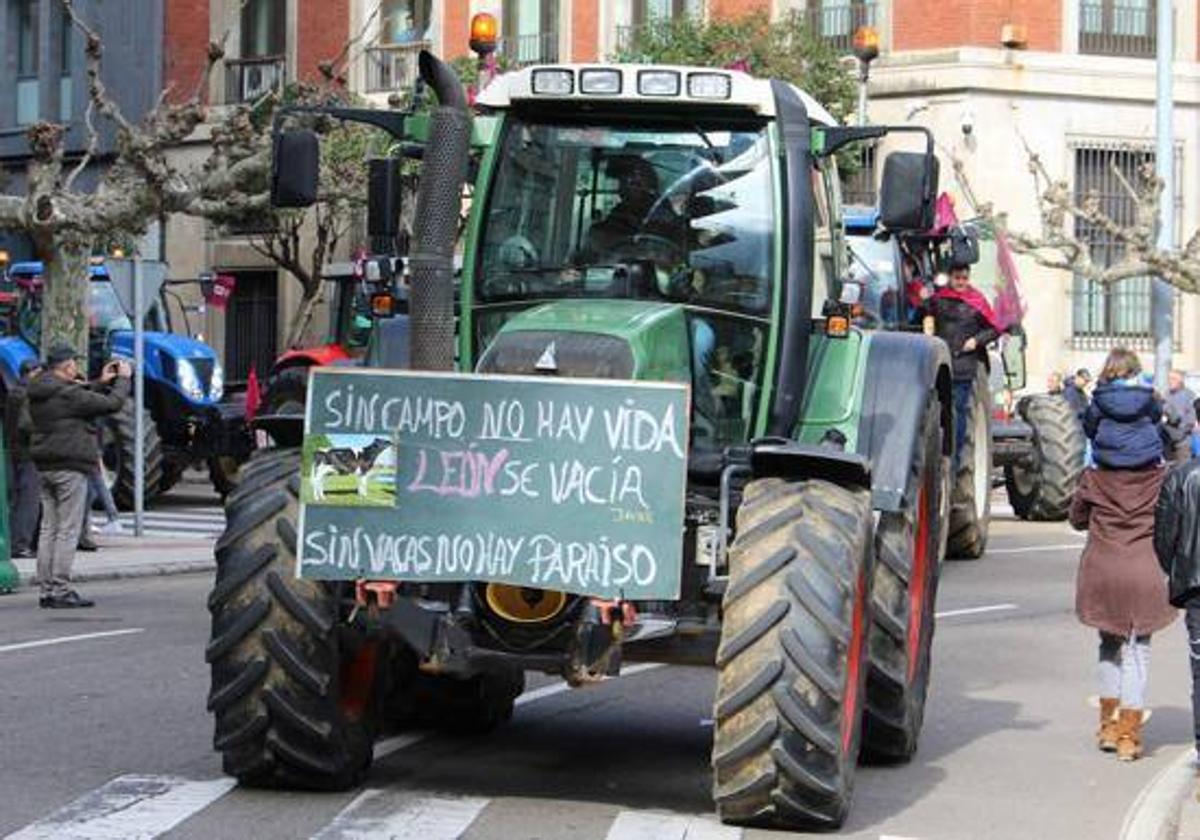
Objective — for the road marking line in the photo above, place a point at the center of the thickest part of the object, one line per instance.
(127, 808)
(388, 746)
(372, 814)
(977, 610)
(1030, 549)
(1157, 804)
(646, 825)
(61, 640)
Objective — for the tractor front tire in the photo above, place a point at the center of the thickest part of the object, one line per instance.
(971, 498)
(293, 703)
(224, 473)
(792, 663)
(286, 392)
(908, 549)
(1042, 493)
(119, 437)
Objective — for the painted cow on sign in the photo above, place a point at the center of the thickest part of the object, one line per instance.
(345, 461)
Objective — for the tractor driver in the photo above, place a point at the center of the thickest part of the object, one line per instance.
(639, 226)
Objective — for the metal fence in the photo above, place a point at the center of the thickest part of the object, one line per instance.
(392, 66)
(521, 50)
(1118, 27)
(247, 79)
(1103, 316)
(836, 21)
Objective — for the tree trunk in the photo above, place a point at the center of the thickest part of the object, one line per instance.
(65, 301)
(302, 317)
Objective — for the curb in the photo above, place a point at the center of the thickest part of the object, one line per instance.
(1155, 814)
(141, 570)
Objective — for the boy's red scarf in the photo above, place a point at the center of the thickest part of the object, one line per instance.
(973, 298)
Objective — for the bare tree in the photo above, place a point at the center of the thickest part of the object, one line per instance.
(1063, 214)
(141, 184)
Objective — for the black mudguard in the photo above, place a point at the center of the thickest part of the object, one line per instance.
(902, 368)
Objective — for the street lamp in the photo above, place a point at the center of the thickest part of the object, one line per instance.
(866, 50)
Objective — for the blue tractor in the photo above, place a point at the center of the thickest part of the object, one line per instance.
(187, 423)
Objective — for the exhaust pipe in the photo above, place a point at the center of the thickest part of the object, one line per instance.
(439, 202)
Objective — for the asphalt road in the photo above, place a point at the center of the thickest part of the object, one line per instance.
(106, 735)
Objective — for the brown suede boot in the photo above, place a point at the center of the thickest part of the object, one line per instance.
(1106, 736)
(1129, 734)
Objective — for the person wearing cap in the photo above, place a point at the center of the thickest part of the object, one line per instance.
(24, 486)
(965, 321)
(64, 447)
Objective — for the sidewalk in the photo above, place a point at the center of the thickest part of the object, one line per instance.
(127, 556)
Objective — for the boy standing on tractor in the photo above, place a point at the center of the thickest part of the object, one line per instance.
(965, 321)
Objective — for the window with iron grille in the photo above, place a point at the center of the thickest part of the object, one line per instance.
(837, 20)
(858, 184)
(529, 32)
(1103, 316)
(1117, 27)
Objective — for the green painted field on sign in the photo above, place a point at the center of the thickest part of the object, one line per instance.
(566, 484)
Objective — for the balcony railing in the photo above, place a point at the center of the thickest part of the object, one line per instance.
(248, 79)
(392, 66)
(521, 50)
(1118, 27)
(836, 22)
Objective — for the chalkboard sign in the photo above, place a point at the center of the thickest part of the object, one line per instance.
(566, 484)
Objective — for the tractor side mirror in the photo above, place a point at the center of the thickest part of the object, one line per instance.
(908, 191)
(295, 168)
(1012, 349)
(383, 198)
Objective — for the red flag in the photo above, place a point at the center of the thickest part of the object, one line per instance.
(253, 395)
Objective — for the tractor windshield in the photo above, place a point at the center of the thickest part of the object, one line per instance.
(107, 315)
(679, 213)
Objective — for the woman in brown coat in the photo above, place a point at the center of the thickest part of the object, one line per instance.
(1120, 589)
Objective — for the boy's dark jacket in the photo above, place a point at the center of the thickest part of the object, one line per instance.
(64, 418)
(1177, 531)
(1123, 425)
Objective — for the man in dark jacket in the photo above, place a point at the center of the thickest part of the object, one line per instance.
(65, 449)
(1182, 415)
(1075, 391)
(1177, 545)
(964, 319)
(24, 486)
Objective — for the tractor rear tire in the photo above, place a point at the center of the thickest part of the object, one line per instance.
(792, 663)
(908, 546)
(286, 392)
(1043, 493)
(971, 498)
(119, 439)
(294, 706)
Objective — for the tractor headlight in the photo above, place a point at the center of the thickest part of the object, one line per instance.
(189, 381)
(216, 386)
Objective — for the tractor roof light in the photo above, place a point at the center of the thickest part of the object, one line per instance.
(595, 81)
(553, 82)
(658, 83)
(866, 44)
(709, 86)
(484, 34)
(382, 305)
(4, 257)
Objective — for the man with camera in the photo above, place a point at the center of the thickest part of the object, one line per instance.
(64, 411)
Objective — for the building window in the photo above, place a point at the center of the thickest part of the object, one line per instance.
(1102, 316)
(645, 11)
(65, 88)
(858, 184)
(1117, 27)
(836, 20)
(530, 32)
(28, 107)
(262, 66)
(403, 21)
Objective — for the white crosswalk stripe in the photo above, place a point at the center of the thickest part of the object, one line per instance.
(127, 808)
(377, 813)
(645, 825)
(193, 523)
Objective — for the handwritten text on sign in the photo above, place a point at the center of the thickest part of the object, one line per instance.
(553, 483)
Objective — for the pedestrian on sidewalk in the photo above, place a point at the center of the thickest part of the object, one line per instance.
(1075, 391)
(1181, 418)
(1177, 545)
(24, 486)
(1120, 589)
(97, 491)
(64, 412)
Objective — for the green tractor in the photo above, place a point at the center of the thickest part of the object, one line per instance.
(632, 223)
